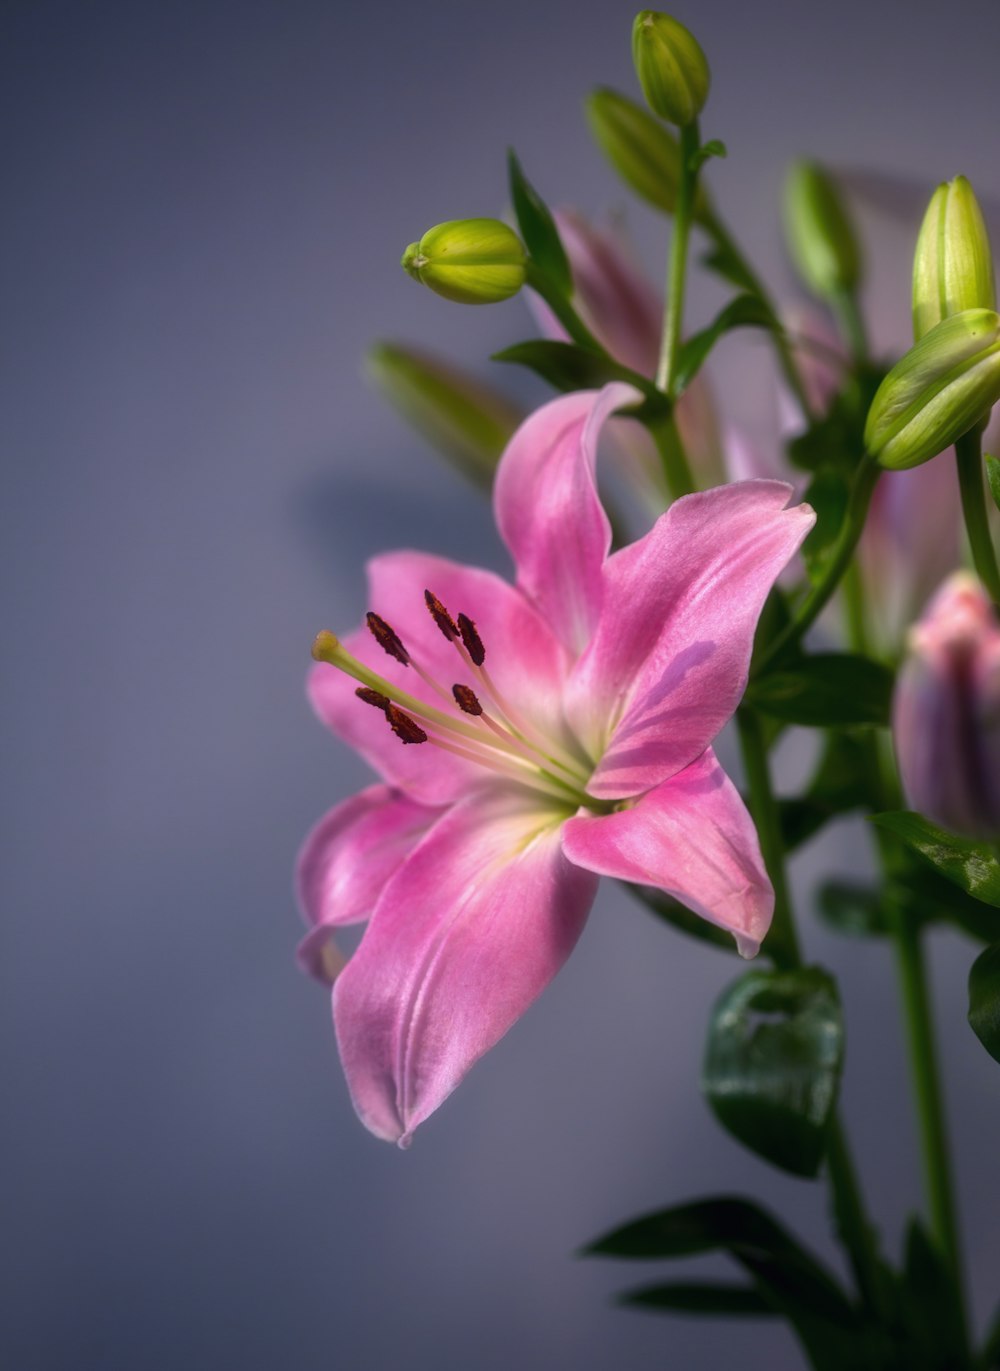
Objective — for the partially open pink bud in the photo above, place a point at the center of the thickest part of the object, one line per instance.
(946, 719)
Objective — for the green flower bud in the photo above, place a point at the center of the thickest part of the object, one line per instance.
(953, 265)
(473, 261)
(819, 232)
(944, 386)
(671, 67)
(468, 422)
(644, 153)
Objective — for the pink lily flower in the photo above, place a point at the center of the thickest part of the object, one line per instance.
(530, 739)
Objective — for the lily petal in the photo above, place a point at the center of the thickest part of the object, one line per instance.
(346, 861)
(522, 655)
(465, 936)
(549, 512)
(669, 662)
(693, 838)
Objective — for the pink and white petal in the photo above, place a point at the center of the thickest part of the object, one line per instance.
(346, 861)
(549, 513)
(669, 661)
(465, 936)
(693, 838)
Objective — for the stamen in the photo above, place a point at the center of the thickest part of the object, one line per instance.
(441, 616)
(374, 697)
(405, 728)
(387, 638)
(466, 699)
(471, 640)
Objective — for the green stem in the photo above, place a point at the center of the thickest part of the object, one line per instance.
(855, 1231)
(674, 312)
(727, 245)
(969, 455)
(837, 562)
(676, 468)
(559, 305)
(852, 325)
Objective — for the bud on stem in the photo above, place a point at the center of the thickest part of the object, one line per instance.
(821, 238)
(671, 67)
(472, 261)
(953, 265)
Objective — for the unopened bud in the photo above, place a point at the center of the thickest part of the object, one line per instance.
(820, 235)
(473, 261)
(671, 67)
(953, 265)
(944, 386)
(946, 712)
(468, 421)
(643, 153)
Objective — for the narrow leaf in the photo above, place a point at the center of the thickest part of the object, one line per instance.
(852, 908)
(931, 1305)
(744, 311)
(828, 688)
(714, 148)
(700, 1297)
(972, 866)
(723, 262)
(827, 494)
(984, 999)
(993, 477)
(538, 228)
(773, 1062)
(725, 1223)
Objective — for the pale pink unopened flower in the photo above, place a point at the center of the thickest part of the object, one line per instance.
(531, 738)
(946, 715)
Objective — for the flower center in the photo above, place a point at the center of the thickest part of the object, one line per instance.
(477, 723)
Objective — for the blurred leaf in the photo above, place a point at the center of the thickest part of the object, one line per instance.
(467, 421)
(538, 228)
(839, 785)
(744, 311)
(989, 1358)
(827, 688)
(827, 493)
(700, 1297)
(836, 441)
(931, 1306)
(714, 148)
(726, 1223)
(773, 1062)
(569, 367)
(972, 866)
(671, 911)
(852, 908)
(984, 999)
(993, 477)
(724, 262)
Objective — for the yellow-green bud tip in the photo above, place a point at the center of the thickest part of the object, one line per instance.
(953, 264)
(325, 646)
(671, 67)
(473, 261)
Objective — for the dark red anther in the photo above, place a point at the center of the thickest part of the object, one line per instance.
(407, 730)
(441, 616)
(387, 638)
(373, 697)
(467, 699)
(471, 639)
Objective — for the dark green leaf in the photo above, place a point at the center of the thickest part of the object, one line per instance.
(972, 866)
(721, 260)
(772, 1066)
(827, 1325)
(930, 1306)
(993, 477)
(829, 688)
(852, 908)
(927, 897)
(989, 1358)
(700, 1297)
(566, 366)
(835, 442)
(727, 1223)
(984, 999)
(714, 148)
(744, 311)
(671, 911)
(538, 228)
(840, 784)
(827, 493)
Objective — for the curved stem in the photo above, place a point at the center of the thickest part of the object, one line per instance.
(676, 468)
(855, 1231)
(969, 456)
(837, 563)
(674, 313)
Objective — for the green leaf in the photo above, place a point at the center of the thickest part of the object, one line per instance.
(993, 478)
(840, 784)
(773, 1062)
(744, 311)
(984, 999)
(827, 493)
(700, 1297)
(714, 148)
(723, 262)
(828, 688)
(727, 1223)
(930, 1306)
(852, 908)
(671, 911)
(538, 228)
(972, 866)
(566, 366)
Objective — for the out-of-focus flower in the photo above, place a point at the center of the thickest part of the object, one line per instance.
(946, 717)
(530, 739)
(625, 314)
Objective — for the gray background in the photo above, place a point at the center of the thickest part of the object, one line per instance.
(205, 209)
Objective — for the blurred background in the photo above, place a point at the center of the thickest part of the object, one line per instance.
(206, 203)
